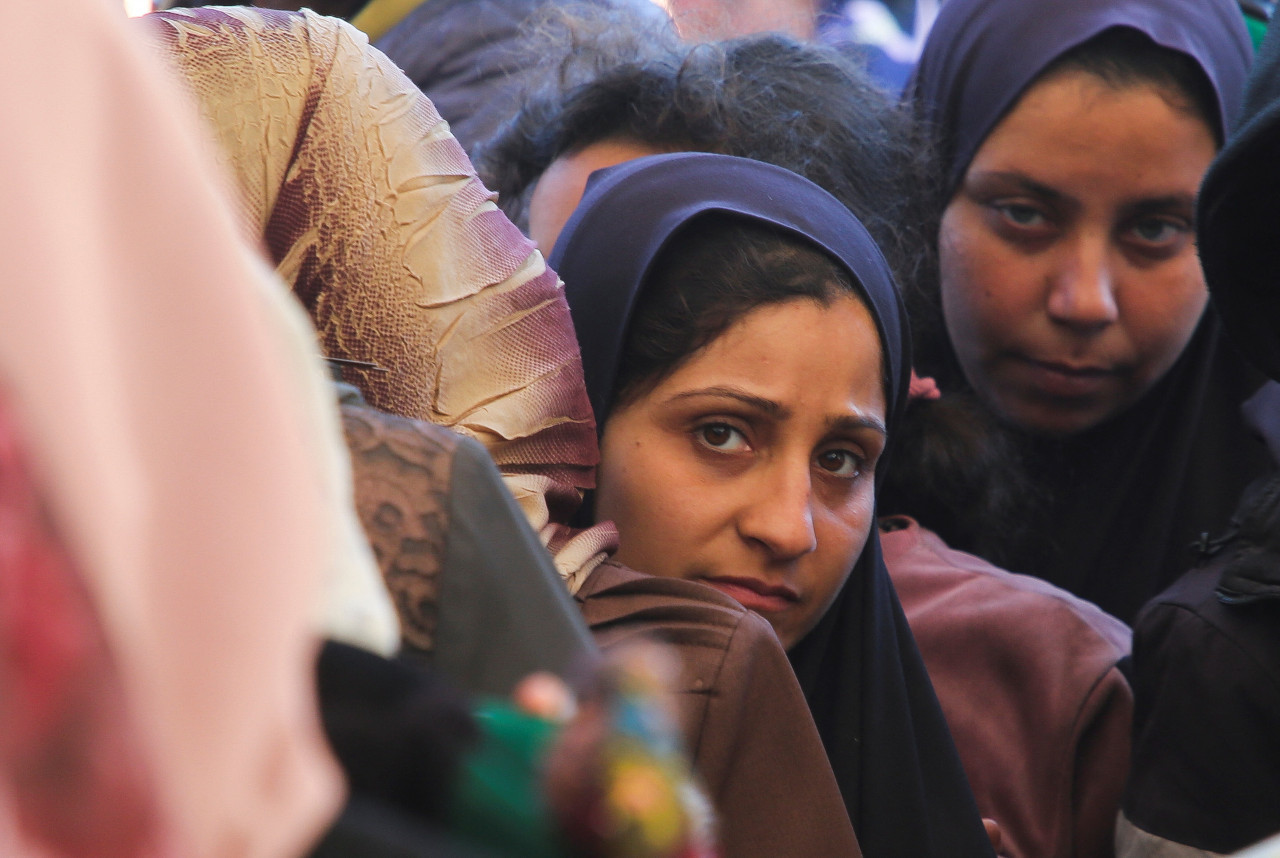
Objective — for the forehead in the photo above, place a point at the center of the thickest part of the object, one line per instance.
(820, 360)
(560, 187)
(1075, 127)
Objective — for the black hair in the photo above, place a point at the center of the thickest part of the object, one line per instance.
(808, 108)
(712, 272)
(961, 474)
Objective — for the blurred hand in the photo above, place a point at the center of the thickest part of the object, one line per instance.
(545, 695)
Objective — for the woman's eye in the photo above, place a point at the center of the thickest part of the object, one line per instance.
(840, 463)
(1022, 216)
(1159, 232)
(722, 436)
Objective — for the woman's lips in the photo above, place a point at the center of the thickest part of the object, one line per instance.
(1067, 381)
(756, 595)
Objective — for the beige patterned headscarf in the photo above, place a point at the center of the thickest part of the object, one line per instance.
(372, 212)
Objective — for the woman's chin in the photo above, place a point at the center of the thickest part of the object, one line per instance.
(1054, 417)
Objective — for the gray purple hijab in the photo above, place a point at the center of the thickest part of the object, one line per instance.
(982, 54)
(861, 673)
(1124, 501)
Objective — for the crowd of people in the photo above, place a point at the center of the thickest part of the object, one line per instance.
(605, 429)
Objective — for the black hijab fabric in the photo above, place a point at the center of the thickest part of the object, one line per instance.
(861, 673)
(1238, 222)
(1123, 502)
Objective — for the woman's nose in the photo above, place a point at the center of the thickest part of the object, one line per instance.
(779, 513)
(1082, 289)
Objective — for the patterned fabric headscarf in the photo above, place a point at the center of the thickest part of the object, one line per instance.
(372, 213)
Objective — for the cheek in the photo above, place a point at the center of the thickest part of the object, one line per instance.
(645, 491)
(842, 536)
(991, 296)
(965, 281)
(845, 533)
(625, 497)
(1164, 316)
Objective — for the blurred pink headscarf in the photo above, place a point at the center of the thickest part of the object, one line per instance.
(153, 381)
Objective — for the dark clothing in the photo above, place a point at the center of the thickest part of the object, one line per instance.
(1206, 764)
(1236, 218)
(500, 591)
(400, 732)
(1124, 502)
(744, 718)
(477, 596)
(1206, 661)
(371, 829)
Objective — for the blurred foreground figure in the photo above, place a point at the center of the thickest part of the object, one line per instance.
(539, 776)
(71, 755)
(157, 391)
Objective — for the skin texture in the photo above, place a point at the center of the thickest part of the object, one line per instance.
(560, 187)
(715, 20)
(751, 466)
(1070, 282)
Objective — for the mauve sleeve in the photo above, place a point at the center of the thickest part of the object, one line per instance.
(1101, 764)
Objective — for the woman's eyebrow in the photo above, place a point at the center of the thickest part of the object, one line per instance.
(841, 423)
(846, 423)
(1024, 182)
(1161, 205)
(767, 406)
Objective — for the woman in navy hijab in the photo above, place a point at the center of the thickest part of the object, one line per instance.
(1073, 136)
(746, 355)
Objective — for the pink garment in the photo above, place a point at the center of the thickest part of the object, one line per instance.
(151, 377)
(923, 388)
(1026, 676)
(70, 757)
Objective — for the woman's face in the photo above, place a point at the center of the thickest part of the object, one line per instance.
(751, 467)
(1070, 281)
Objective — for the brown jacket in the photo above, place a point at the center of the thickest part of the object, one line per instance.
(745, 721)
(1026, 675)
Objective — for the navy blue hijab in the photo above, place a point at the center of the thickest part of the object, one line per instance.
(860, 670)
(1123, 501)
(981, 55)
